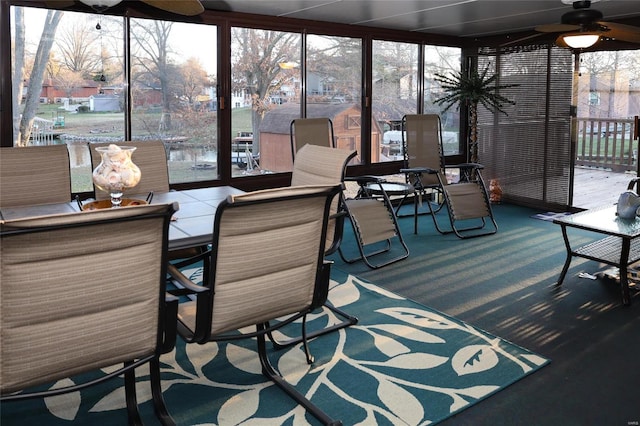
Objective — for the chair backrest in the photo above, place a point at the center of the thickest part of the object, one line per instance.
(150, 157)
(311, 131)
(268, 247)
(80, 291)
(422, 144)
(321, 165)
(34, 175)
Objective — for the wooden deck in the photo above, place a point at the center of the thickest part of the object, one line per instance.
(595, 187)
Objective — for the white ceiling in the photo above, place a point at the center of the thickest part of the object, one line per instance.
(464, 18)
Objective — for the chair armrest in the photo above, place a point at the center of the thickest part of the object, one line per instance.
(203, 307)
(632, 183)
(418, 170)
(465, 166)
(183, 281)
(170, 324)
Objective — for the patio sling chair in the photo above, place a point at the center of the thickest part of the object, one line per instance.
(319, 162)
(34, 175)
(322, 165)
(280, 235)
(467, 202)
(81, 292)
(311, 131)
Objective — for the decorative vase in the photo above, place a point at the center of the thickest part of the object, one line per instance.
(628, 205)
(116, 172)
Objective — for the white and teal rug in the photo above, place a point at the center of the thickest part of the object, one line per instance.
(402, 364)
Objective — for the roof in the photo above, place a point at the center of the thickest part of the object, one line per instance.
(279, 119)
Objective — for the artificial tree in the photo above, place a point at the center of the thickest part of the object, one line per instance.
(470, 89)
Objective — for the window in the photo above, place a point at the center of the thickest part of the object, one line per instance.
(334, 81)
(173, 93)
(266, 76)
(395, 93)
(77, 87)
(83, 93)
(442, 60)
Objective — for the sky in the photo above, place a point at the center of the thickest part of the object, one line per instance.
(188, 40)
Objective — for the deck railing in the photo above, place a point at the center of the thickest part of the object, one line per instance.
(42, 132)
(606, 143)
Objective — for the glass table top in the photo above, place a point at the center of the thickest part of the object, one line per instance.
(603, 219)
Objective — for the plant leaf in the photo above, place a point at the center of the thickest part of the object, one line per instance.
(419, 317)
(474, 359)
(401, 402)
(407, 332)
(239, 408)
(64, 406)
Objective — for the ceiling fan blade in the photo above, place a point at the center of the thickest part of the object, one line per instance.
(620, 27)
(556, 28)
(182, 7)
(630, 36)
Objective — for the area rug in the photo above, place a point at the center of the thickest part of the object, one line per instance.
(550, 216)
(402, 364)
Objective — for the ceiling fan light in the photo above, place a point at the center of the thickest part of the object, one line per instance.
(100, 5)
(580, 40)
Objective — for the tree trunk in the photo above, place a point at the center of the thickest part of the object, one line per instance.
(37, 76)
(18, 77)
(473, 129)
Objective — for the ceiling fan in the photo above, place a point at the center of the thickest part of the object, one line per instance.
(583, 27)
(182, 7)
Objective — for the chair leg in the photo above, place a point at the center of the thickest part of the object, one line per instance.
(159, 405)
(349, 320)
(271, 374)
(130, 396)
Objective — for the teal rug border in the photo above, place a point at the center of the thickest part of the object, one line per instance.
(547, 361)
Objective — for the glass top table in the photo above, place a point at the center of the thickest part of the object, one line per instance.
(619, 247)
(192, 225)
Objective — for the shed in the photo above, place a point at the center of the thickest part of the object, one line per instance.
(104, 103)
(275, 142)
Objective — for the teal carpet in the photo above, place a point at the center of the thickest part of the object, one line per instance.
(403, 363)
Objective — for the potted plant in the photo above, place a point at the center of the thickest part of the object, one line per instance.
(471, 89)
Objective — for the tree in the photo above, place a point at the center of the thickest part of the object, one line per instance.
(23, 133)
(69, 81)
(79, 49)
(194, 80)
(256, 57)
(152, 40)
(472, 89)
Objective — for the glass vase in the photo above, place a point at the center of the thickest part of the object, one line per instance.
(116, 172)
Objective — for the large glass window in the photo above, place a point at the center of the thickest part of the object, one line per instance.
(77, 91)
(173, 94)
(442, 60)
(69, 74)
(395, 93)
(334, 86)
(266, 77)
(67, 83)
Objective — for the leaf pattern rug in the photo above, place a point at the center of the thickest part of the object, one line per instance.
(402, 364)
